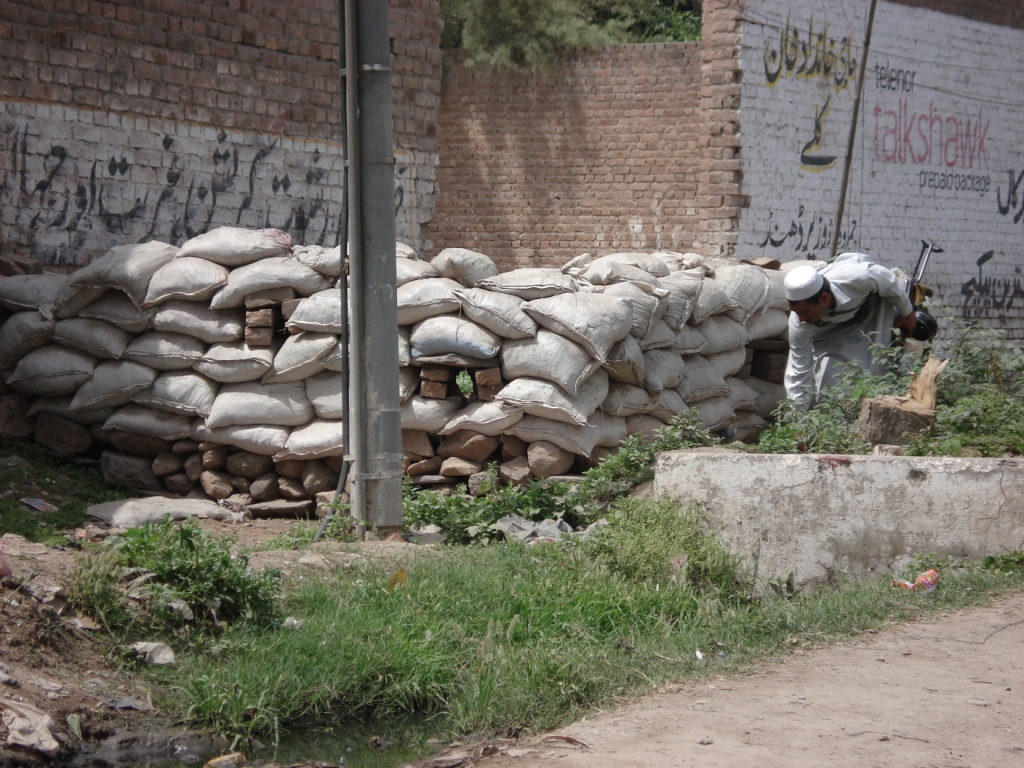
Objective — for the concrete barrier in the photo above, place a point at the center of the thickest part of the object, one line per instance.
(819, 517)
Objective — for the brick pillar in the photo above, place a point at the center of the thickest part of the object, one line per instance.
(720, 180)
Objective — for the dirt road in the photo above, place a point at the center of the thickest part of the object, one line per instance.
(946, 691)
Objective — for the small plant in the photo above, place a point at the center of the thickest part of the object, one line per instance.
(464, 382)
(173, 578)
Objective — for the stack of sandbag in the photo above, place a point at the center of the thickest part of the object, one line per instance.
(564, 363)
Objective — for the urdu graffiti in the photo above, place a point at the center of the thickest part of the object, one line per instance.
(807, 236)
(811, 55)
(1014, 198)
(990, 298)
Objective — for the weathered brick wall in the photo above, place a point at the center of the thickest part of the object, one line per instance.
(121, 123)
(938, 152)
(600, 155)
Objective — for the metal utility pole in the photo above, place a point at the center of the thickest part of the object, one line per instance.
(375, 426)
(853, 131)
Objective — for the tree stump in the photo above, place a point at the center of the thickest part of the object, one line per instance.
(888, 420)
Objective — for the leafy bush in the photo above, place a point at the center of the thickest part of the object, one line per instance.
(173, 578)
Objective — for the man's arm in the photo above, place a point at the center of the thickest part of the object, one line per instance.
(888, 286)
(799, 379)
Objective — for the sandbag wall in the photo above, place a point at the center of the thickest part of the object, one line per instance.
(213, 369)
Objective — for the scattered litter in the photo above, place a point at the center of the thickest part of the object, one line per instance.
(516, 527)
(926, 582)
(155, 653)
(568, 740)
(226, 761)
(39, 505)
(292, 623)
(29, 727)
(5, 570)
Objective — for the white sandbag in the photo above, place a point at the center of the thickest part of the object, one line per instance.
(165, 351)
(141, 420)
(667, 405)
(113, 383)
(775, 298)
(420, 299)
(20, 334)
(648, 307)
(198, 320)
(300, 357)
(747, 427)
(660, 336)
(625, 362)
(603, 271)
(643, 424)
(463, 265)
(663, 370)
(648, 262)
(747, 286)
(489, 418)
(314, 441)
(405, 251)
(184, 392)
(500, 313)
(769, 396)
(723, 334)
(683, 289)
(578, 265)
(700, 380)
(116, 308)
(575, 438)
(769, 323)
(274, 272)
(548, 356)
(428, 414)
(20, 293)
(594, 320)
(73, 298)
(408, 383)
(186, 278)
(715, 413)
(234, 246)
(404, 347)
(234, 362)
(711, 300)
(728, 363)
(627, 400)
(537, 397)
(611, 429)
(61, 406)
(319, 313)
(407, 270)
(324, 392)
(742, 396)
(689, 340)
(97, 337)
(530, 283)
(326, 261)
(262, 439)
(452, 335)
(128, 267)
(52, 371)
(249, 403)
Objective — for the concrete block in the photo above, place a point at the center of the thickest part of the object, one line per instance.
(820, 517)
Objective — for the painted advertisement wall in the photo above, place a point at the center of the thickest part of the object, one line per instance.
(938, 151)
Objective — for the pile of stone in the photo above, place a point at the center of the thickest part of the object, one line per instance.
(213, 369)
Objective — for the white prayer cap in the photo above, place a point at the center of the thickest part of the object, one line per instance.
(802, 283)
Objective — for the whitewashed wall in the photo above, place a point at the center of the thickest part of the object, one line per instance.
(938, 153)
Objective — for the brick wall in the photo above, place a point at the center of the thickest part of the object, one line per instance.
(938, 152)
(123, 121)
(598, 156)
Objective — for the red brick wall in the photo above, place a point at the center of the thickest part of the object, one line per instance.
(599, 156)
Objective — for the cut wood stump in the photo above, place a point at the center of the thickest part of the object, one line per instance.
(890, 419)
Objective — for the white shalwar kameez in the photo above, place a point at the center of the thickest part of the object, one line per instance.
(868, 299)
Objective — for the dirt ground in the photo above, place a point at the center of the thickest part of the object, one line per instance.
(946, 691)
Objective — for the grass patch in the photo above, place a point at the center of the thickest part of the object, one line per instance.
(511, 638)
(28, 470)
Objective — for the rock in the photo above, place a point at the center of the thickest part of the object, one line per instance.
(194, 467)
(512, 447)
(130, 471)
(167, 463)
(215, 458)
(546, 459)
(248, 465)
(467, 444)
(334, 463)
(316, 478)
(291, 489)
(185, 446)
(516, 471)
(62, 436)
(131, 442)
(14, 424)
(416, 442)
(240, 484)
(178, 483)
(237, 502)
(264, 488)
(289, 468)
(282, 508)
(216, 485)
(459, 467)
(425, 467)
(478, 483)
